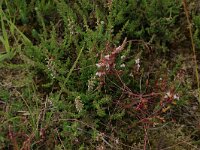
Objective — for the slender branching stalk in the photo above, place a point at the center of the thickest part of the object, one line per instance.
(193, 46)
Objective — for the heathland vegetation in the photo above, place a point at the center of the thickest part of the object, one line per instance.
(99, 74)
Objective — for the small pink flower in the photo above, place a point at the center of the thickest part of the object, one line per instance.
(107, 57)
(176, 96)
(100, 74)
(99, 65)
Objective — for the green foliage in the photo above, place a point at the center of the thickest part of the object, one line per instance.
(197, 28)
(154, 21)
(4, 95)
(54, 97)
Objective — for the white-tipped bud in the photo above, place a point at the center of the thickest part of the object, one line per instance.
(99, 74)
(176, 96)
(137, 61)
(107, 57)
(123, 56)
(122, 65)
(131, 74)
(99, 65)
(102, 22)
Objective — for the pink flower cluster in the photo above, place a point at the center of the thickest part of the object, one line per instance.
(107, 63)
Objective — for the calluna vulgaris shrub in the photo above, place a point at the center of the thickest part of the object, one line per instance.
(99, 73)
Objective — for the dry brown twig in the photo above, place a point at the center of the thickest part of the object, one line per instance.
(193, 46)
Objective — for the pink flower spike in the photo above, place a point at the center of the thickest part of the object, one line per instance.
(118, 49)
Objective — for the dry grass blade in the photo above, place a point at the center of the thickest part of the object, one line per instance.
(193, 46)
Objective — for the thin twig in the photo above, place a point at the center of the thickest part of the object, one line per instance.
(145, 137)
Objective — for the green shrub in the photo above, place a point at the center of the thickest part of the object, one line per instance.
(97, 73)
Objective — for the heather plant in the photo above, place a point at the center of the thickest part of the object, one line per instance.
(97, 75)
